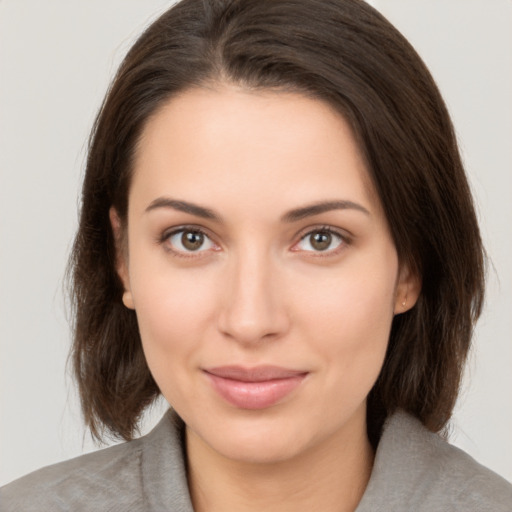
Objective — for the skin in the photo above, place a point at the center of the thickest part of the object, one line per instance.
(258, 291)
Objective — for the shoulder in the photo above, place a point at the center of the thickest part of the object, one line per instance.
(96, 477)
(416, 469)
(115, 478)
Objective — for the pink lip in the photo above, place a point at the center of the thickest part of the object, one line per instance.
(254, 388)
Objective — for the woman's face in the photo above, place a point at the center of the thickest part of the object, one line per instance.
(261, 270)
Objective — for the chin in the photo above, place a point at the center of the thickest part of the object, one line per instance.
(257, 446)
(257, 437)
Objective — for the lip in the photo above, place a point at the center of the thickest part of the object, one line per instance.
(254, 388)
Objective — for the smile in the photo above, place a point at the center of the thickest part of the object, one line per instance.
(254, 388)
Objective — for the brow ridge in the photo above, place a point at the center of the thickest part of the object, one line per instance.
(183, 206)
(291, 216)
(322, 207)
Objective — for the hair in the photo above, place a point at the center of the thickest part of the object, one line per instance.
(342, 52)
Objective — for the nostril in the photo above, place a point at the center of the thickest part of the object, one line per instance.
(253, 323)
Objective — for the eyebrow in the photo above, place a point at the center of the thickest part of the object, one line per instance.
(291, 216)
(184, 206)
(322, 207)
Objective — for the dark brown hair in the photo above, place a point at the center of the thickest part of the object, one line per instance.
(342, 52)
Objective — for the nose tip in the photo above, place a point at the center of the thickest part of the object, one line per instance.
(252, 307)
(248, 331)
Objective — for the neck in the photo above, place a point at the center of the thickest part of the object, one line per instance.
(330, 476)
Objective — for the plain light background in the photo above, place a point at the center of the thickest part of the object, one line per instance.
(56, 60)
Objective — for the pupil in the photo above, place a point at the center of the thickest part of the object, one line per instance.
(192, 240)
(321, 241)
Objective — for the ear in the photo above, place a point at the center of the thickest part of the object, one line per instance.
(408, 289)
(121, 257)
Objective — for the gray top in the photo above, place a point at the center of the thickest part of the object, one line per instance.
(414, 470)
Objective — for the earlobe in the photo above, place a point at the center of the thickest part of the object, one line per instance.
(128, 299)
(407, 290)
(121, 257)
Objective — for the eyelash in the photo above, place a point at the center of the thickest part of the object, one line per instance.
(164, 241)
(166, 236)
(344, 240)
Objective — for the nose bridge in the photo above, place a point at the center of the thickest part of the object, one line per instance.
(252, 308)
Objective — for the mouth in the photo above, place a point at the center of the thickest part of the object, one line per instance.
(254, 388)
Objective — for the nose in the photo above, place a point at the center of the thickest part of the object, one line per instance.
(252, 308)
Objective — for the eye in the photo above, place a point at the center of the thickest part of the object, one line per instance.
(320, 240)
(189, 241)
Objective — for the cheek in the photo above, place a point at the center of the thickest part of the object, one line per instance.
(349, 315)
(173, 312)
(352, 333)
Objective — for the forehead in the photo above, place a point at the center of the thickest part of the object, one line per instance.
(227, 143)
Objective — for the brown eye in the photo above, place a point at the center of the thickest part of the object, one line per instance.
(189, 240)
(192, 240)
(321, 240)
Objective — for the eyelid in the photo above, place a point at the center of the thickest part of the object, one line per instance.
(163, 240)
(345, 236)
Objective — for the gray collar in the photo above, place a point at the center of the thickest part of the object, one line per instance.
(414, 470)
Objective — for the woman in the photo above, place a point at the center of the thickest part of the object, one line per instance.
(278, 236)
